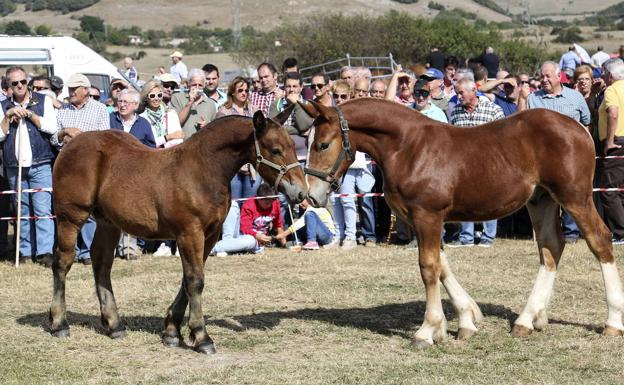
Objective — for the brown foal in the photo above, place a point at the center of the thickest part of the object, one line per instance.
(181, 193)
(435, 173)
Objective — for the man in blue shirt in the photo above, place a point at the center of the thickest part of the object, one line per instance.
(569, 61)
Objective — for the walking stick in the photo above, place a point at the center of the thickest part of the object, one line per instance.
(19, 191)
(297, 246)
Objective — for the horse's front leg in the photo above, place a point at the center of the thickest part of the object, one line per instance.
(428, 231)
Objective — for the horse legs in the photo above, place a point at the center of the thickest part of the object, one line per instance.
(544, 212)
(467, 309)
(598, 237)
(67, 233)
(102, 255)
(428, 231)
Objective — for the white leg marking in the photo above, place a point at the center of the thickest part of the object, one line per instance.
(467, 309)
(538, 300)
(434, 325)
(615, 299)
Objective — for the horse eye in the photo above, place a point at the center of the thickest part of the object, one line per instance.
(276, 152)
(324, 146)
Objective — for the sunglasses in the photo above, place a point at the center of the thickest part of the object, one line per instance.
(169, 85)
(118, 87)
(22, 82)
(242, 91)
(96, 97)
(524, 82)
(317, 85)
(155, 96)
(423, 93)
(341, 96)
(40, 88)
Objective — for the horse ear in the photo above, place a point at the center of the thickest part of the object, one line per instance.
(311, 108)
(259, 121)
(283, 116)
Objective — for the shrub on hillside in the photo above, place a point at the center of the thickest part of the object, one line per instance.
(17, 27)
(436, 6)
(63, 6)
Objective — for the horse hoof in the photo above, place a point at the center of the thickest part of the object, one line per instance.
(465, 334)
(610, 331)
(420, 343)
(206, 348)
(61, 333)
(520, 331)
(116, 334)
(170, 341)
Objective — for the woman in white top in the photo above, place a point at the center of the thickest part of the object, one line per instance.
(164, 121)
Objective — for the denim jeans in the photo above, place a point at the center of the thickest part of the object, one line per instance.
(85, 239)
(466, 234)
(38, 239)
(570, 229)
(128, 245)
(232, 241)
(242, 186)
(316, 230)
(345, 214)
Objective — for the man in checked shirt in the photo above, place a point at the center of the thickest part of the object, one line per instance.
(269, 91)
(81, 114)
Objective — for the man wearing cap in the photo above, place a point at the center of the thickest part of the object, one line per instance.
(115, 87)
(81, 114)
(169, 85)
(178, 69)
(435, 79)
(423, 104)
(27, 120)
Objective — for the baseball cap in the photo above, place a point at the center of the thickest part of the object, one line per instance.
(78, 80)
(432, 74)
(56, 83)
(118, 81)
(176, 54)
(422, 84)
(167, 78)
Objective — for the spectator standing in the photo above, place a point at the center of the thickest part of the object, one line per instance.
(194, 108)
(81, 114)
(129, 71)
(163, 121)
(435, 78)
(491, 62)
(168, 85)
(269, 91)
(451, 65)
(115, 87)
(599, 57)
(347, 75)
(378, 89)
(178, 68)
(402, 84)
(503, 91)
(473, 110)
(435, 59)
(611, 134)
(321, 86)
(360, 89)
(554, 96)
(569, 61)
(211, 89)
(423, 102)
(27, 122)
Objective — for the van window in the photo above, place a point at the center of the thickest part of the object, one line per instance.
(101, 82)
(45, 70)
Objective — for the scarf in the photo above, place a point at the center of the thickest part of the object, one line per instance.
(156, 119)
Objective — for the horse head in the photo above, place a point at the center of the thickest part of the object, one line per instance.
(276, 159)
(329, 153)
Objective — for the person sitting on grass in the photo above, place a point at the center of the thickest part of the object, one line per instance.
(259, 220)
(319, 227)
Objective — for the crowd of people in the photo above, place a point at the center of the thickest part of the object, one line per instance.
(169, 108)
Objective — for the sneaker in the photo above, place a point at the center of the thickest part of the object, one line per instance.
(332, 245)
(617, 241)
(163, 251)
(460, 244)
(485, 243)
(349, 244)
(177, 253)
(311, 245)
(221, 254)
(370, 243)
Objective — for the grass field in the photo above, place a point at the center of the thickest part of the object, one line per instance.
(327, 317)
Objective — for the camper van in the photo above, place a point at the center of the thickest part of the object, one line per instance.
(61, 56)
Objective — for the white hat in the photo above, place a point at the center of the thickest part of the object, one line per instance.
(176, 54)
(78, 80)
(167, 78)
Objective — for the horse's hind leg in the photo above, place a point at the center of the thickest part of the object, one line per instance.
(544, 212)
(67, 233)
(102, 255)
(598, 238)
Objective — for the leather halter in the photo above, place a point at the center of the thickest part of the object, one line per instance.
(281, 169)
(346, 152)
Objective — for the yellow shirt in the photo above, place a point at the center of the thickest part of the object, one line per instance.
(613, 97)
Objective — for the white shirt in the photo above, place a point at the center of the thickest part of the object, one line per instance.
(179, 71)
(598, 58)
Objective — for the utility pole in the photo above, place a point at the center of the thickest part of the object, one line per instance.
(236, 28)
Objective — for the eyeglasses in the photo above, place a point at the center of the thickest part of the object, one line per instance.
(584, 79)
(40, 88)
(169, 85)
(155, 96)
(22, 82)
(317, 85)
(96, 97)
(423, 93)
(242, 91)
(126, 102)
(341, 96)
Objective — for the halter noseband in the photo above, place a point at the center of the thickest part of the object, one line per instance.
(281, 169)
(345, 152)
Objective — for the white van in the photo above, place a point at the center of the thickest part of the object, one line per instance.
(61, 56)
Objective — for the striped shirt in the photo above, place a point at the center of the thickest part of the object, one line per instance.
(485, 112)
(568, 102)
(262, 100)
(92, 116)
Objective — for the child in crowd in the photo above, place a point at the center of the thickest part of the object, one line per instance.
(320, 229)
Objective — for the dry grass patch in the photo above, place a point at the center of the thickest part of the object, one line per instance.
(313, 318)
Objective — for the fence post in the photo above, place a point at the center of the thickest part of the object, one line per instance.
(348, 60)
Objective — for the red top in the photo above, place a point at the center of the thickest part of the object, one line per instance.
(253, 219)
